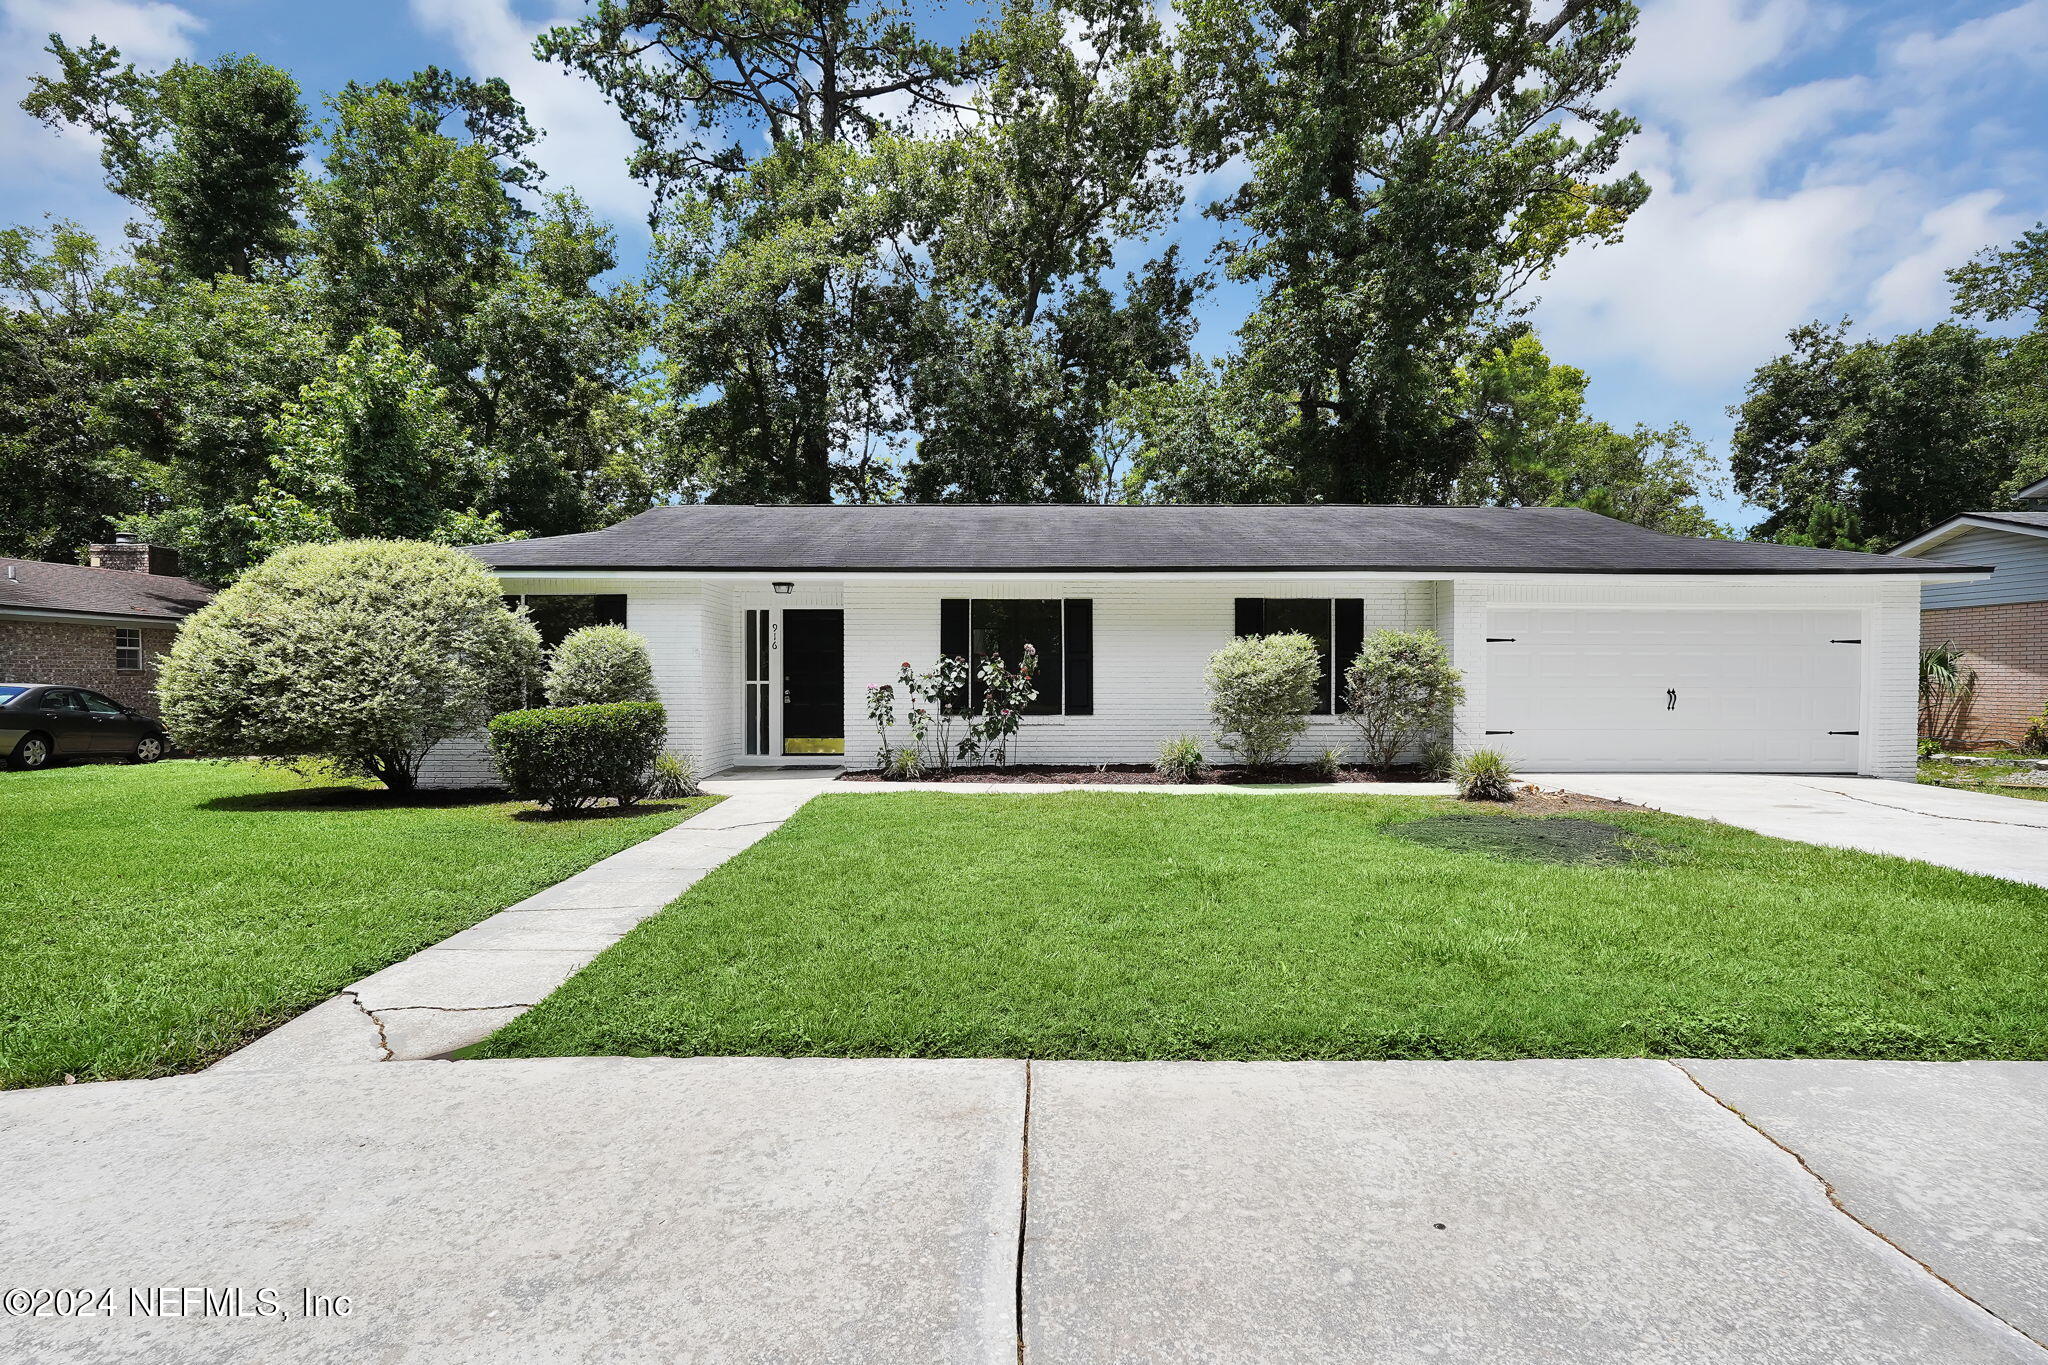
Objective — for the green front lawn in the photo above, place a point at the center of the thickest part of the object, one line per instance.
(1241, 926)
(154, 918)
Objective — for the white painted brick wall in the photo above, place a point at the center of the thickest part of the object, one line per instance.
(671, 615)
(1152, 642)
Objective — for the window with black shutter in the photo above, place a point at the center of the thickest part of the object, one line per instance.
(1337, 625)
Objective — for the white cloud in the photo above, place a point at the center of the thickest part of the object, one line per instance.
(1776, 201)
(584, 144)
(1916, 289)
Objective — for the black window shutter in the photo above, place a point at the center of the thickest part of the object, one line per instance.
(955, 642)
(1347, 637)
(1251, 616)
(1079, 639)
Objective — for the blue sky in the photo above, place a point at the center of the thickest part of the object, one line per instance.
(1808, 159)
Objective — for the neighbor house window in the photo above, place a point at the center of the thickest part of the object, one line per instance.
(1337, 625)
(1061, 629)
(127, 650)
(555, 614)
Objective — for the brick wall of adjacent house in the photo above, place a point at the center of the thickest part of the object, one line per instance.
(2007, 643)
(81, 654)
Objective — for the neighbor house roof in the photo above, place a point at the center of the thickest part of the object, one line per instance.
(929, 538)
(30, 587)
(2024, 523)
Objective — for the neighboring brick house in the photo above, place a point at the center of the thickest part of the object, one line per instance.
(102, 627)
(2000, 622)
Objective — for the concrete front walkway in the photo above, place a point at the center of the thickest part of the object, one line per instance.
(467, 987)
(1998, 836)
(737, 1210)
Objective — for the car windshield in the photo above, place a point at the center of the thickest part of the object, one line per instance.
(8, 694)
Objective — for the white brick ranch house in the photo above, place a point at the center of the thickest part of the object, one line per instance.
(1585, 643)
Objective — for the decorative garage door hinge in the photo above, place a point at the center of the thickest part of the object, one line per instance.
(1500, 732)
(1500, 639)
(1845, 642)
(1845, 732)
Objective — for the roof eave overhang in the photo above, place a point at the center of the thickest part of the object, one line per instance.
(1956, 526)
(86, 618)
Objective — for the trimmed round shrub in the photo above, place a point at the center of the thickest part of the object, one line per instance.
(1261, 688)
(599, 664)
(365, 653)
(569, 757)
(1401, 691)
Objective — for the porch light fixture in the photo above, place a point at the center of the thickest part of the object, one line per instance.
(783, 589)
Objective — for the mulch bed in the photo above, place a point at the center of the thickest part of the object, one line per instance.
(1141, 775)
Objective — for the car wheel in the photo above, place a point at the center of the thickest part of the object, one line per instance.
(149, 748)
(33, 752)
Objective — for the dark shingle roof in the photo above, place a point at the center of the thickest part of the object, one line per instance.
(36, 586)
(1020, 539)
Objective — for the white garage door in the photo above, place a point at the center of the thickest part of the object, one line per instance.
(1674, 690)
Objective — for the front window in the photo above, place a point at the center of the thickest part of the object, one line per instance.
(1337, 625)
(554, 615)
(1003, 626)
(127, 650)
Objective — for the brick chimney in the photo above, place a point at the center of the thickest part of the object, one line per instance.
(131, 553)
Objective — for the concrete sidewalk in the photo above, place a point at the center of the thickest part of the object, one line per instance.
(1997, 836)
(887, 1211)
(467, 987)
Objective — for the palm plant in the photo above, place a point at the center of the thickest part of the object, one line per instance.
(1946, 688)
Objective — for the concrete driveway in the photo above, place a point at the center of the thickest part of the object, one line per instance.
(740, 1210)
(1999, 836)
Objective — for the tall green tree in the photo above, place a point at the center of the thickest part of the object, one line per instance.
(2006, 284)
(210, 150)
(64, 486)
(885, 258)
(1535, 446)
(370, 448)
(1869, 443)
(1412, 164)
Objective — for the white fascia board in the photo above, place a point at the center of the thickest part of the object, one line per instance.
(1954, 527)
(813, 578)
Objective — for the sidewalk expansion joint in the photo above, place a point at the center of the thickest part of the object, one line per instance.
(1834, 1197)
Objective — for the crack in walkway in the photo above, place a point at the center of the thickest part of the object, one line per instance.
(383, 1041)
(1023, 1206)
(1834, 1198)
(1928, 814)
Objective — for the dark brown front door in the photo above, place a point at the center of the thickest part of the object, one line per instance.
(813, 682)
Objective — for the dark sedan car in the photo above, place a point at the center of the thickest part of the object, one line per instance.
(40, 724)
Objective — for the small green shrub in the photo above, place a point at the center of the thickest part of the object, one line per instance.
(1401, 690)
(1484, 775)
(1328, 764)
(597, 665)
(2035, 740)
(1928, 748)
(1180, 760)
(905, 765)
(672, 777)
(569, 757)
(1439, 757)
(1261, 688)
